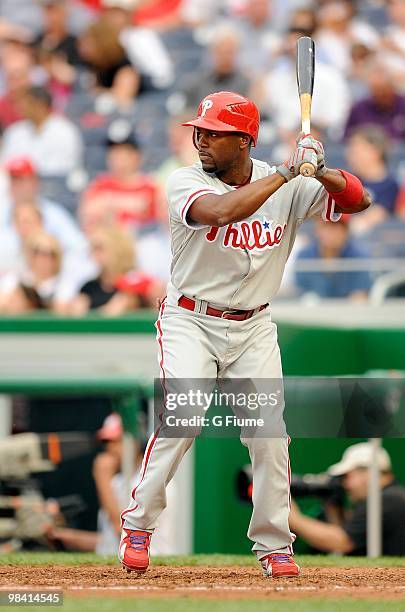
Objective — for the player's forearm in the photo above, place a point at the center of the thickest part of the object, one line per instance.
(220, 210)
(333, 180)
(336, 184)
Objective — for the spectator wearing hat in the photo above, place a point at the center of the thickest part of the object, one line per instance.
(133, 199)
(349, 535)
(50, 140)
(24, 185)
(124, 193)
(366, 153)
(332, 241)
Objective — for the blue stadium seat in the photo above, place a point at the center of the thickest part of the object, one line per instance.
(185, 52)
(396, 162)
(95, 159)
(154, 157)
(57, 190)
(335, 154)
(386, 239)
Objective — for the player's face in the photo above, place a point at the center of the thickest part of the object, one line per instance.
(218, 151)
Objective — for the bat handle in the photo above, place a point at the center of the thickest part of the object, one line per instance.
(307, 169)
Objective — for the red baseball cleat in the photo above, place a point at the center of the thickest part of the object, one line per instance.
(279, 565)
(134, 550)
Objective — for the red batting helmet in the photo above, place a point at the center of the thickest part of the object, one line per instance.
(226, 111)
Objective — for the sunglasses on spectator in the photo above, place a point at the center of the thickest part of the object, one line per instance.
(43, 252)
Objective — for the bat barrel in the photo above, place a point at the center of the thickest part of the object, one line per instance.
(305, 65)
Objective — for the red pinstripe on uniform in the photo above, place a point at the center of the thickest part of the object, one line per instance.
(290, 550)
(329, 208)
(152, 440)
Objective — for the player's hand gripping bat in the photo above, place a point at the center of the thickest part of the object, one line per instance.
(305, 80)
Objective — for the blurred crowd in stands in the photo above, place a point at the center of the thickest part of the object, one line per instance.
(92, 95)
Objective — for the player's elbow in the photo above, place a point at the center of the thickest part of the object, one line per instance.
(217, 217)
(210, 210)
(222, 216)
(218, 213)
(222, 221)
(364, 203)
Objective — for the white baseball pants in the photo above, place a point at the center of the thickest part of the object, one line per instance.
(193, 345)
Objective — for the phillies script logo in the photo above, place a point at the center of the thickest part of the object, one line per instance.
(250, 235)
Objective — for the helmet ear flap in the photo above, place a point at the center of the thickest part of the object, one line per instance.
(195, 138)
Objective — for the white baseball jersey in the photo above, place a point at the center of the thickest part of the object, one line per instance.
(239, 266)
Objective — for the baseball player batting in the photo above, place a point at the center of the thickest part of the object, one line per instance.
(233, 223)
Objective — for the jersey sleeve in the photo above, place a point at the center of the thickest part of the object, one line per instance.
(314, 201)
(183, 188)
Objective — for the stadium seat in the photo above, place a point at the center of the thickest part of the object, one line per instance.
(388, 286)
(184, 51)
(386, 239)
(58, 190)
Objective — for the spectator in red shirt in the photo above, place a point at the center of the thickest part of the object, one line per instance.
(124, 193)
(160, 14)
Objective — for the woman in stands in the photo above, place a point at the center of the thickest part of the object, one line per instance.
(36, 285)
(119, 286)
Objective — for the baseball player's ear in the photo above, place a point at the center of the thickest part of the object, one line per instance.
(244, 141)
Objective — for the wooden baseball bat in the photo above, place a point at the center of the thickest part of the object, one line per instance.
(305, 79)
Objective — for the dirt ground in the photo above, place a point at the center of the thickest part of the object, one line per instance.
(209, 582)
